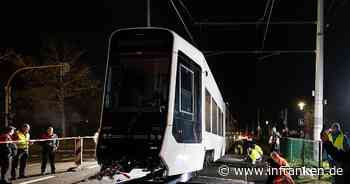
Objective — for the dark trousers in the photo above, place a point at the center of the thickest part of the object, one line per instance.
(47, 154)
(5, 165)
(275, 147)
(22, 157)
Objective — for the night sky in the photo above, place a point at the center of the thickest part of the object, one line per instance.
(247, 83)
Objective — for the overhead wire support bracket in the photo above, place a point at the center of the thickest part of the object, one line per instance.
(182, 21)
(267, 24)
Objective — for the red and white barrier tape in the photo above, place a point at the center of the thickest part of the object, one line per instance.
(41, 140)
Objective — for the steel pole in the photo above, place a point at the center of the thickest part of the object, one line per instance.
(7, 87)
(7, 95)
(319, 74)
(148, 13)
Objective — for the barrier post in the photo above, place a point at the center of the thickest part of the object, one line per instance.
(81, 150)
(320, 157)
(78, 152)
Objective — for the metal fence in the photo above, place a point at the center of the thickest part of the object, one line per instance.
(71, 149)
(301, 152)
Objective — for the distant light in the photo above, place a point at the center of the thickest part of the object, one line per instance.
(301, 105)
(267, 122)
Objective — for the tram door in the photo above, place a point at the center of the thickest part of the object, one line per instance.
(187, 122)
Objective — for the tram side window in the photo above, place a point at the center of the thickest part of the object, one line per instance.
(214, 120)
(223, 123)
(220, 121)
(207, 111)
(228, 121)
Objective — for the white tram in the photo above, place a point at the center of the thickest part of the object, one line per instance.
(162, 109)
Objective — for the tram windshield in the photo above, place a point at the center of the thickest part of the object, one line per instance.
(138, 80)
(138, 83)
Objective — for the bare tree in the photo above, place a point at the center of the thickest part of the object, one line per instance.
(53, 87)
(10, 61)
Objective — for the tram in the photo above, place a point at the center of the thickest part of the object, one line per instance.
(162, 109)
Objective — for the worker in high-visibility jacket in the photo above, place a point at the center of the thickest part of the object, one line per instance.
(23, 137)
(255, 153)
(341, 158)
(338, 138)
(340, 141)
(258, 148)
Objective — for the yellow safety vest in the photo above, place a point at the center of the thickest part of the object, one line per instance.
(258, 149)
(23, 140)
(338, 142)
(254, 154)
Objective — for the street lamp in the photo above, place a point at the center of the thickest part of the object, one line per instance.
(301, 105)
(65, 67)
